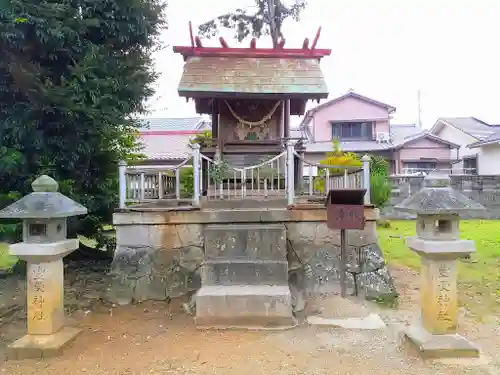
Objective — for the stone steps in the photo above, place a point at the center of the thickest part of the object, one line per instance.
(244, 272)
(245, 278)
(244, 307)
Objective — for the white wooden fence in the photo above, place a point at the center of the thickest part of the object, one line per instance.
(213, 179)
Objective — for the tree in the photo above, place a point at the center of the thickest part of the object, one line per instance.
(72, 75)
(266, 19)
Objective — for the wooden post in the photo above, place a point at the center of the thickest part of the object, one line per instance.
(142, 187)
(160, 185)
(122, 168)
(343, 262)
(290, 161)
(196, 174)
(366, 177)
(178, 183)
(286, 121)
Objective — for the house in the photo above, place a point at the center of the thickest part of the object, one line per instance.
(363, 126)
(487, 154)
(166, 140)
(466, 131)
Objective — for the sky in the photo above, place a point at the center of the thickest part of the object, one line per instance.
(385, 49)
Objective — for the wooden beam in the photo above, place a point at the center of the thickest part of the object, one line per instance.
(191, 37)
(287, 118)
(316, 38)
(223, 43)
(215, 119)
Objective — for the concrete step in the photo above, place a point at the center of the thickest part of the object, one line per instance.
(244, 307)
(244, 272)
(245, 241)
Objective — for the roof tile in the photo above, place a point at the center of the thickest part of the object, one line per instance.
(173, 124)
(471, 125)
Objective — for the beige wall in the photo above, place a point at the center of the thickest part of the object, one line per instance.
(488, 160)
(460, 138)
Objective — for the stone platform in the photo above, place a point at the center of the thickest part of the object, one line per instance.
(164, 252)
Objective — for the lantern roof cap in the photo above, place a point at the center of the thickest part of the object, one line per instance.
(44, 203)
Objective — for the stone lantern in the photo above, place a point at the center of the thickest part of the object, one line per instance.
(44, 213)
(438, 208)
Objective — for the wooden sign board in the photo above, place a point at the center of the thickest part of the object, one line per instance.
(345, 209)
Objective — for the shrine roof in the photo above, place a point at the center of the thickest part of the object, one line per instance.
(291, 77)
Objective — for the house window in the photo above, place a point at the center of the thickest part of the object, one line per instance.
(470, 166)
(352, 130)
(418, 167)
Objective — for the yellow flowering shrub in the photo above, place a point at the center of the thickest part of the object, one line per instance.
(337, 157)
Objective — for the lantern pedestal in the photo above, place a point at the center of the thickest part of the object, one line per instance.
(435, 336)
(47, 335)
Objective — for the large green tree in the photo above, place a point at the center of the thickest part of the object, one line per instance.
(72, 75)
(266, 18)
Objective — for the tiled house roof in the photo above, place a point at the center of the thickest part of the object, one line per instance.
(175, 124)
(168, 138)
(470, 125)
(494, 138)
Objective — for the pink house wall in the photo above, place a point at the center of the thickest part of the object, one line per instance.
(348, 109)
(424, 148)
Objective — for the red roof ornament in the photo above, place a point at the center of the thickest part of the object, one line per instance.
(306, 52)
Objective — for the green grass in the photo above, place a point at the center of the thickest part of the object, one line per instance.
(478, 281)
(6, 261)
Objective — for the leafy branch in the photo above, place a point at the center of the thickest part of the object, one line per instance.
(257, 22)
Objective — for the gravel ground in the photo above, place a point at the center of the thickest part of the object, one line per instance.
(156, 338)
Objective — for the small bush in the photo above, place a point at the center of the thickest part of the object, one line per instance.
(203, 139)
(187, 182)
(380, 189)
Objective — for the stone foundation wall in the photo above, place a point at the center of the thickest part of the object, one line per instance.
(159, 253)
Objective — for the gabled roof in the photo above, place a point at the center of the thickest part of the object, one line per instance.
(209, 76)
(469, 125)
(492, 139)
(175, 124)
(421, 135)
(350, 94)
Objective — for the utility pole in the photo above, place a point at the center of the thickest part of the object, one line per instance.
(272, 22)
(419, 111)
